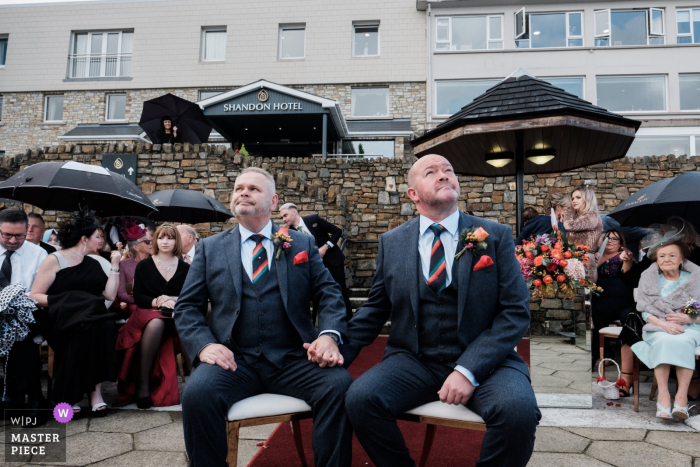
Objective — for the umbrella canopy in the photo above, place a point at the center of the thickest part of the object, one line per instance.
(539, 127)
(68, 186)
(192, 125)
(654, 204)
(188, 207)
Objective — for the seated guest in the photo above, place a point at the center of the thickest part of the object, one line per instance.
(139, 244)
(35, 232)
(51, 237)
(670, 335)
(148, 341)
(542, 224)
(188, 236)
(103, 249)
(78, 327)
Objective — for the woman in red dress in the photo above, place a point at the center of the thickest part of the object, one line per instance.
(148, 341)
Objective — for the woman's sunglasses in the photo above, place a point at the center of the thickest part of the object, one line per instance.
(147, 241)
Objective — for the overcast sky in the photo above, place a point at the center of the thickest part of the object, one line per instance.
(15, 2)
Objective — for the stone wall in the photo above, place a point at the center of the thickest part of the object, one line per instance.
(366, 197)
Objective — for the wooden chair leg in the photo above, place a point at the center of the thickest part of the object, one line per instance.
(654, 387)
(232, 456)
(635, 379)
(296, 429)
(427, 444)
(602, 347)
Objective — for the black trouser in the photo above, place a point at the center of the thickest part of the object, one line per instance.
(24, 370)
(338, 274)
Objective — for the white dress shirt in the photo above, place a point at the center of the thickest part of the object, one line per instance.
(306, 230)
(449, 238)
(190, 255)
(25, 263)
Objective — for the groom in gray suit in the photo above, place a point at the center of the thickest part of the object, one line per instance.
(260, 325)
(454, 325)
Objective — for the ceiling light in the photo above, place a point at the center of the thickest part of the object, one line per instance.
(536, 33)
(499, 159)
(280, 128)
(314, 128)
(246, 129)
(540, 156)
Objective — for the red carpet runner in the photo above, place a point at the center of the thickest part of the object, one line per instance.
(452, 446)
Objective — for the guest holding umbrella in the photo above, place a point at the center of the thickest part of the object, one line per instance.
(148, 340)
(169, 132)
(78, 327)
(139, 244)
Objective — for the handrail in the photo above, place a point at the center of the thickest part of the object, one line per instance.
(99, 65)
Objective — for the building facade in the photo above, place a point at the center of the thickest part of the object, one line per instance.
(81, 71)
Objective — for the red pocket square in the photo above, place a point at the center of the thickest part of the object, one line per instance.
(301, 258)
(484, 262)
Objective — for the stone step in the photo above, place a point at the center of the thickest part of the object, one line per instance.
(358, 292)
(357, 302)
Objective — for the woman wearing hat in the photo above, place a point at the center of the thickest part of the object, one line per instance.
(139, 244)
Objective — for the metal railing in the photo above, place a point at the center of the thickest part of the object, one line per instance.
(99, 65)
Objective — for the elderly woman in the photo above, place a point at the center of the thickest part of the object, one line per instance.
(78, 327)
(670, 336)
(148, 341)
(139, 243)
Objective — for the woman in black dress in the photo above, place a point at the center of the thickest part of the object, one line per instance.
(148, 342)
(78, 327)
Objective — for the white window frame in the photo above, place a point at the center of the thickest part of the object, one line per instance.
(647, 11)
(528, 28)
(46, 108)
(650, 15)
(693, 132)
(689, 34)
(523, 23)
(5, 37)
(582, 78)
(488, 31)
(203, 47)
(107, 99)
(285, 27)
(642, 112)
(103, 52)
(364, 117)
(1, 103)
(691, 111)
(362, 24)
(435, 92)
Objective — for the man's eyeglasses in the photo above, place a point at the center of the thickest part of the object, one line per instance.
(8, 236)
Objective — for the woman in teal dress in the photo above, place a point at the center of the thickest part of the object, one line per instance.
(670, 336)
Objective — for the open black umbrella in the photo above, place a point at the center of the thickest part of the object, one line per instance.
(188, 207)
(654, 204)
(68, 186)
(192, 125)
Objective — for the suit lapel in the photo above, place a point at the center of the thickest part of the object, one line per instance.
(464, 265)
(280, 268)
(412, 265)
(234, 264)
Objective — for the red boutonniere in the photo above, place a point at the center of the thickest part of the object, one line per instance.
(473, 240)
(282, 241)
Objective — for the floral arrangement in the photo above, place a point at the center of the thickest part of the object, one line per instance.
(550, 264)
(473, 240)
(282, 241)
(691, 308)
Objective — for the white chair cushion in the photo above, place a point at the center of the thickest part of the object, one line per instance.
(697, 351)
(266, 405)
(611, 331)
(451, 412)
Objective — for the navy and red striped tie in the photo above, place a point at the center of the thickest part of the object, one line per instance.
(260, 265)
(437, 279)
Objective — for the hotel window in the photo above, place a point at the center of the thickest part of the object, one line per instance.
(365, 41)
(207, 94)
(0, 108)
(370, 102)
(469, 32)
(629, 27)
(660, 146)
(631, 93)
(450, 96)
(101, 54)
(53, 108)
(214, 44)
(688, 23)
(369, 148)
(571, 85)
(292, 41)
(690, 91)
(116, 107)
(3, 49)
(548, 30)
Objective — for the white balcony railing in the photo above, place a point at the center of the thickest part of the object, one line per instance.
(99, 65)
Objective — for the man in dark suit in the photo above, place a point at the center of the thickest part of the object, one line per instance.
(454, 325)
(326, 236)
(35, 232)
(259, 328)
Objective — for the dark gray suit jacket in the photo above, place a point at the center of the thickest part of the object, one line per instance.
(216, 275)
(493, 309)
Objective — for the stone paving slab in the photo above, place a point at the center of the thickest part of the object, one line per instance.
(88, 448)
(634, 454)
(130, 421)
(550, 439)
(610, 434)
(164, 438)
(261, 432)
(687, 443)
(146, 459)
(547, 459)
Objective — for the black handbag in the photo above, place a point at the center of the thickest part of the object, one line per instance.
(632, 328)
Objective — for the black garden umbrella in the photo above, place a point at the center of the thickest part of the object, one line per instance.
(192, 125)
(70, 186)
(188, 207)
(654, 204)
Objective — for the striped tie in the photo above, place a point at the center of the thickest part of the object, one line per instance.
(260, 265)
(437, 279)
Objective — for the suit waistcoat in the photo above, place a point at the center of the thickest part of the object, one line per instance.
(438, 338)
(263, 326)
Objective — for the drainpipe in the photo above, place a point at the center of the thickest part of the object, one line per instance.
(429, 73)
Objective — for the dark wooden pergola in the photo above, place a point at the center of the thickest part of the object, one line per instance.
(519, 117)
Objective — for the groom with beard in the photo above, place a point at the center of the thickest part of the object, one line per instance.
(260, 326)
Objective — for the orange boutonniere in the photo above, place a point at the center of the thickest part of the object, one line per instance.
(473, 240)
(282, 240)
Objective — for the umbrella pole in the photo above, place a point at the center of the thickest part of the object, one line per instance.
(519, 180)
